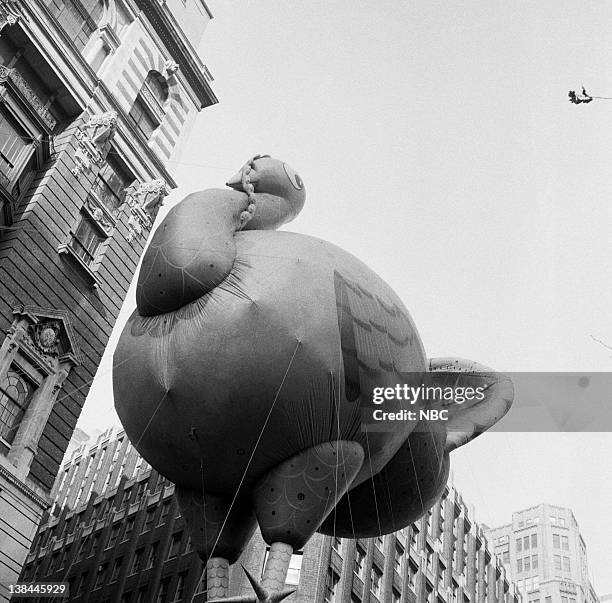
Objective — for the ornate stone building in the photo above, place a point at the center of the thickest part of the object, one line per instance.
(115, 533)
(96, 97)
(545, 555)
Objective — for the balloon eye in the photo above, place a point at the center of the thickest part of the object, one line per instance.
(295, 180)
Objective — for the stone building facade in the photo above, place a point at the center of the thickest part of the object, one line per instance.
(96, 97)
(115, 534)
(545, 555)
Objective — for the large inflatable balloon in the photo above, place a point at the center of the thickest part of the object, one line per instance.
(248, 373)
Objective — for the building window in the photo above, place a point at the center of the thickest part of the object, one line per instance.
(565, 543)
(142, 489)
(534, 541)
(86, 239)
(398, 557)
(519, 544)
(557, 559)
(137, 561)
(337, 545)
(100, 510)
(526, 564)
(534, 562)
(175, 545)
(164, 513)
(506, 557)
(162, 593)
(53, 563)
(526, 543)
(15, 394)
(360, 556)
(125, 499)
(78, 18)
(109, 187)
(413, 570)
(556, 541)
(116, 569)
(331, 587)
(152, 555)
(375, 580)
(295, 569)
(82, 550)
(180, 587)
(21, 155)
(150, 516)
(82, 583)
(101, 575)
(519, 565)
(16, 150)
(413, 536)
(112, 539)
(395, 596)
(95, 544)
(65, 557)
(566, 564)
(129, 529)
(147, 112)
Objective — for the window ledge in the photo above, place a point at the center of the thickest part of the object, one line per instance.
(65, 249)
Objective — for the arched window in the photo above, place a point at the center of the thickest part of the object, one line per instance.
(15, 393)
(79, 18)
(148, 111)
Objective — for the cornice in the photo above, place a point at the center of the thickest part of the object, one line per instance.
(39, 500)
(180, 51)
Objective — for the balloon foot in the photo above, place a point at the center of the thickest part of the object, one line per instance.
(262, 594)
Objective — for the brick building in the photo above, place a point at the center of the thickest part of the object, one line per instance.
(545, 555)
(96, 96)
(115, 533)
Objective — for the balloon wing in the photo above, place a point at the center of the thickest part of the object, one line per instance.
(471, 417)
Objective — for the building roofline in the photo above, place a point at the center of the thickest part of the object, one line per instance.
(208, 11)
(180, 50)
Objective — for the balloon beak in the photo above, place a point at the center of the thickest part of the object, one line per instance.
(235, 181)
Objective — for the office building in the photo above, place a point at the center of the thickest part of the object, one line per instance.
(115, 534)
(546, 555)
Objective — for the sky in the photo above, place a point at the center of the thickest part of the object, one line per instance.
(437, 144)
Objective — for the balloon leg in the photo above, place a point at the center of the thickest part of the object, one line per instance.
(217, 578)
(277, 566)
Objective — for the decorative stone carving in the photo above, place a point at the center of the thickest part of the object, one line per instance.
(102, 127)
(9, 13)
(170, 68)
(93, 140)
(14, 77)
(144, 201)
(46, 337)
(46, 334)
(99, 215)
